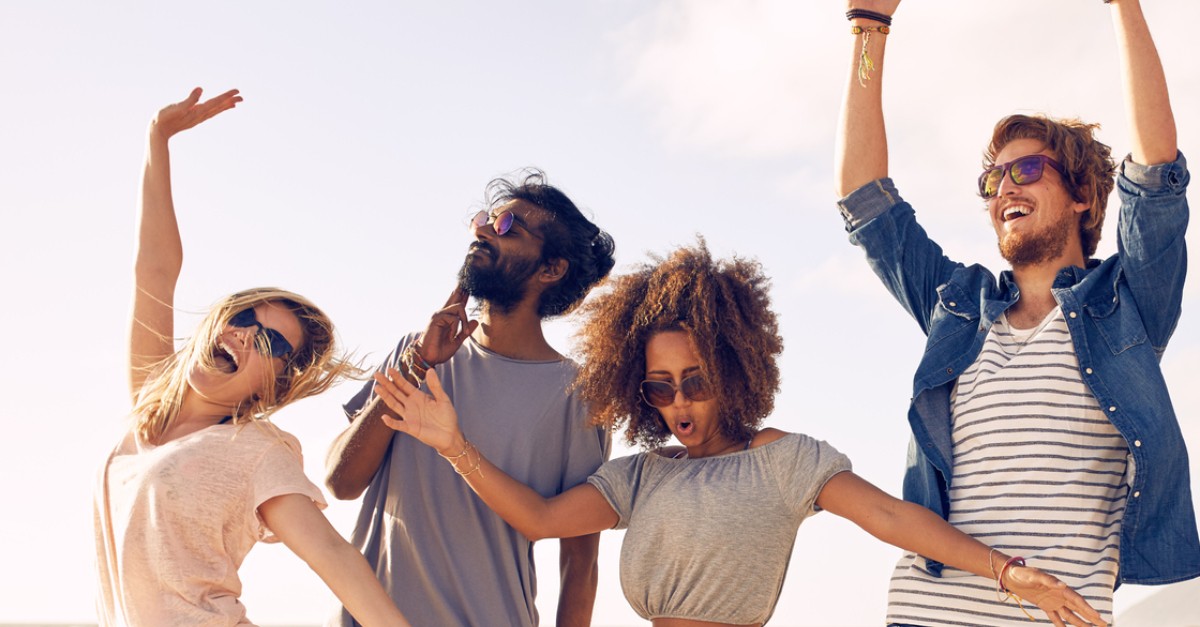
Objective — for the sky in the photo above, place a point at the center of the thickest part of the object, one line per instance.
(367, 135)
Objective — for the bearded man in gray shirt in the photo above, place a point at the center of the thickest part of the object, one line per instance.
(442, 554)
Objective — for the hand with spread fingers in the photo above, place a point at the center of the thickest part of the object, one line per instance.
(1062, 605)
(189, 112)
(430, 418)
(448, 329)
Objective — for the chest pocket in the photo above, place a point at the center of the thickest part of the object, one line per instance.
(956, 310)
(1117, 318)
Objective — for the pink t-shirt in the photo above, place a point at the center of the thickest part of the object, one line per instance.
(174, 522)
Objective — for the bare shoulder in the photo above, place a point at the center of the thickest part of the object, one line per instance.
(767, 436)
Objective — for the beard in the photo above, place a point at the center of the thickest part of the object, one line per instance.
(501, 286)
(1027, 249)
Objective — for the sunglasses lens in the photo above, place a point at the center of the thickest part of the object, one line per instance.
(479, 220)
(1027, 170)
(244, 318)
(279, 346)
(658, 393)
(504, 222)
(989, 182)
(696, 388)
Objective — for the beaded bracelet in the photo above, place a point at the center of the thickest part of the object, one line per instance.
(870, 15)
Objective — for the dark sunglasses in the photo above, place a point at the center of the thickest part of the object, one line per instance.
(275, 342)
(662, 393)
(1022, 171)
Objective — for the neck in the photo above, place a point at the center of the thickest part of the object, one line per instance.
(718, 445)
(1035, 282)
(516, 334)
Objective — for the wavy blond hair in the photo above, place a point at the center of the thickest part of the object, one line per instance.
(315, 367)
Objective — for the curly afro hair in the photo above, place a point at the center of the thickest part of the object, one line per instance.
(723, 307)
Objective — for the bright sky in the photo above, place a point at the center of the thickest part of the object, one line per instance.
(365, 140)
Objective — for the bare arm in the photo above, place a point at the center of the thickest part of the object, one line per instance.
(914, 528)
(860, 154)
(581, 510)
(158, 256)
(357, 452)
(579, 573)
(1151, 122)
(302, 527)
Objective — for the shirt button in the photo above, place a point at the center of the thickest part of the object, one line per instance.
(1113, 408)
(1089, 371)
(1137, 494)
(1137, 442)
(953, 304)
(1072, 314)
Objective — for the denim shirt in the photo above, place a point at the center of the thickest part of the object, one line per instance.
(1121, 312)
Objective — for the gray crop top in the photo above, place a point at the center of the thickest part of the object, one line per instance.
(709, 539)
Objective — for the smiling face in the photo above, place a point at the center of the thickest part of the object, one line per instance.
(243, 369)
(1037, 223)
(696, 424)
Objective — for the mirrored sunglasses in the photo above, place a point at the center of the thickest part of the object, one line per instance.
(501, 222)
(1022, 171)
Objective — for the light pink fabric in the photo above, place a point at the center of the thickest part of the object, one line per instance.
(174, 522)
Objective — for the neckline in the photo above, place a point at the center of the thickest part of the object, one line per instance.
(492, 353)
(745, 451)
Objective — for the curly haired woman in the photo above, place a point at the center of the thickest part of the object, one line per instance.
(687, 347)
(202, 476)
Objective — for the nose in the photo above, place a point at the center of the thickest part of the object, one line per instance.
(680, 399)
(1006, 186)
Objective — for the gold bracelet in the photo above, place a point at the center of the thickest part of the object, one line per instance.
(866, 65)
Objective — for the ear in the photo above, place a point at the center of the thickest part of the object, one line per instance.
(553, 271)
(1080, 207)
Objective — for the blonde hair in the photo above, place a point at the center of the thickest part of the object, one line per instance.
(313, 368)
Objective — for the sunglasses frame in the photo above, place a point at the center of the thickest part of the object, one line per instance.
(703, 394)
(501, 222)
(275, 341)
(1007, 169)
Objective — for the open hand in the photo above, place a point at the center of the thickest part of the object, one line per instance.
(430, 418)
(190, 111)
(448, 329)
(1061, 604)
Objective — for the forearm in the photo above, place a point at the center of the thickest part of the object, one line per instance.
(860, 154)
(356, 454)
(159, 249)
(348, 575)
(914, 528)
(1147, 104)
(579, 572)
(518, 504)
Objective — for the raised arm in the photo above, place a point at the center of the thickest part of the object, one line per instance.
(1151, 122)
(860, 155)
(158, 256)
(431, 419)
(914, 528)
(356, 454)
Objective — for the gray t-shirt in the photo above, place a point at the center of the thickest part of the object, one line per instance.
(709, 539)
(445, 558)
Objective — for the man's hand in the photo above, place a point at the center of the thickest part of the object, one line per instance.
(448, 329)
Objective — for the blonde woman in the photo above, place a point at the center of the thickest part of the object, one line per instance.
(202, 476)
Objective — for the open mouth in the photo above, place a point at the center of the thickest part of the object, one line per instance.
(684, 427)
(224, 358)
(1015, 212)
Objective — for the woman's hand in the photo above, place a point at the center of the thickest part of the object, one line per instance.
(183, 115)
(1061, 604)
(428, 418)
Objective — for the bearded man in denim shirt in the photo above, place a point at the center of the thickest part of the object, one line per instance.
(1041, 420)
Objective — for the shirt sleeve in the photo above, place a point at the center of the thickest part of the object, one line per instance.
(617, 481)
(803, 469)
(587, 447)
(280, 471)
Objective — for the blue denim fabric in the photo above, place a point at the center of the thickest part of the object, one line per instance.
(1121, 312)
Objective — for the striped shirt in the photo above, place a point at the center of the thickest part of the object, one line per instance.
(1039, 471)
